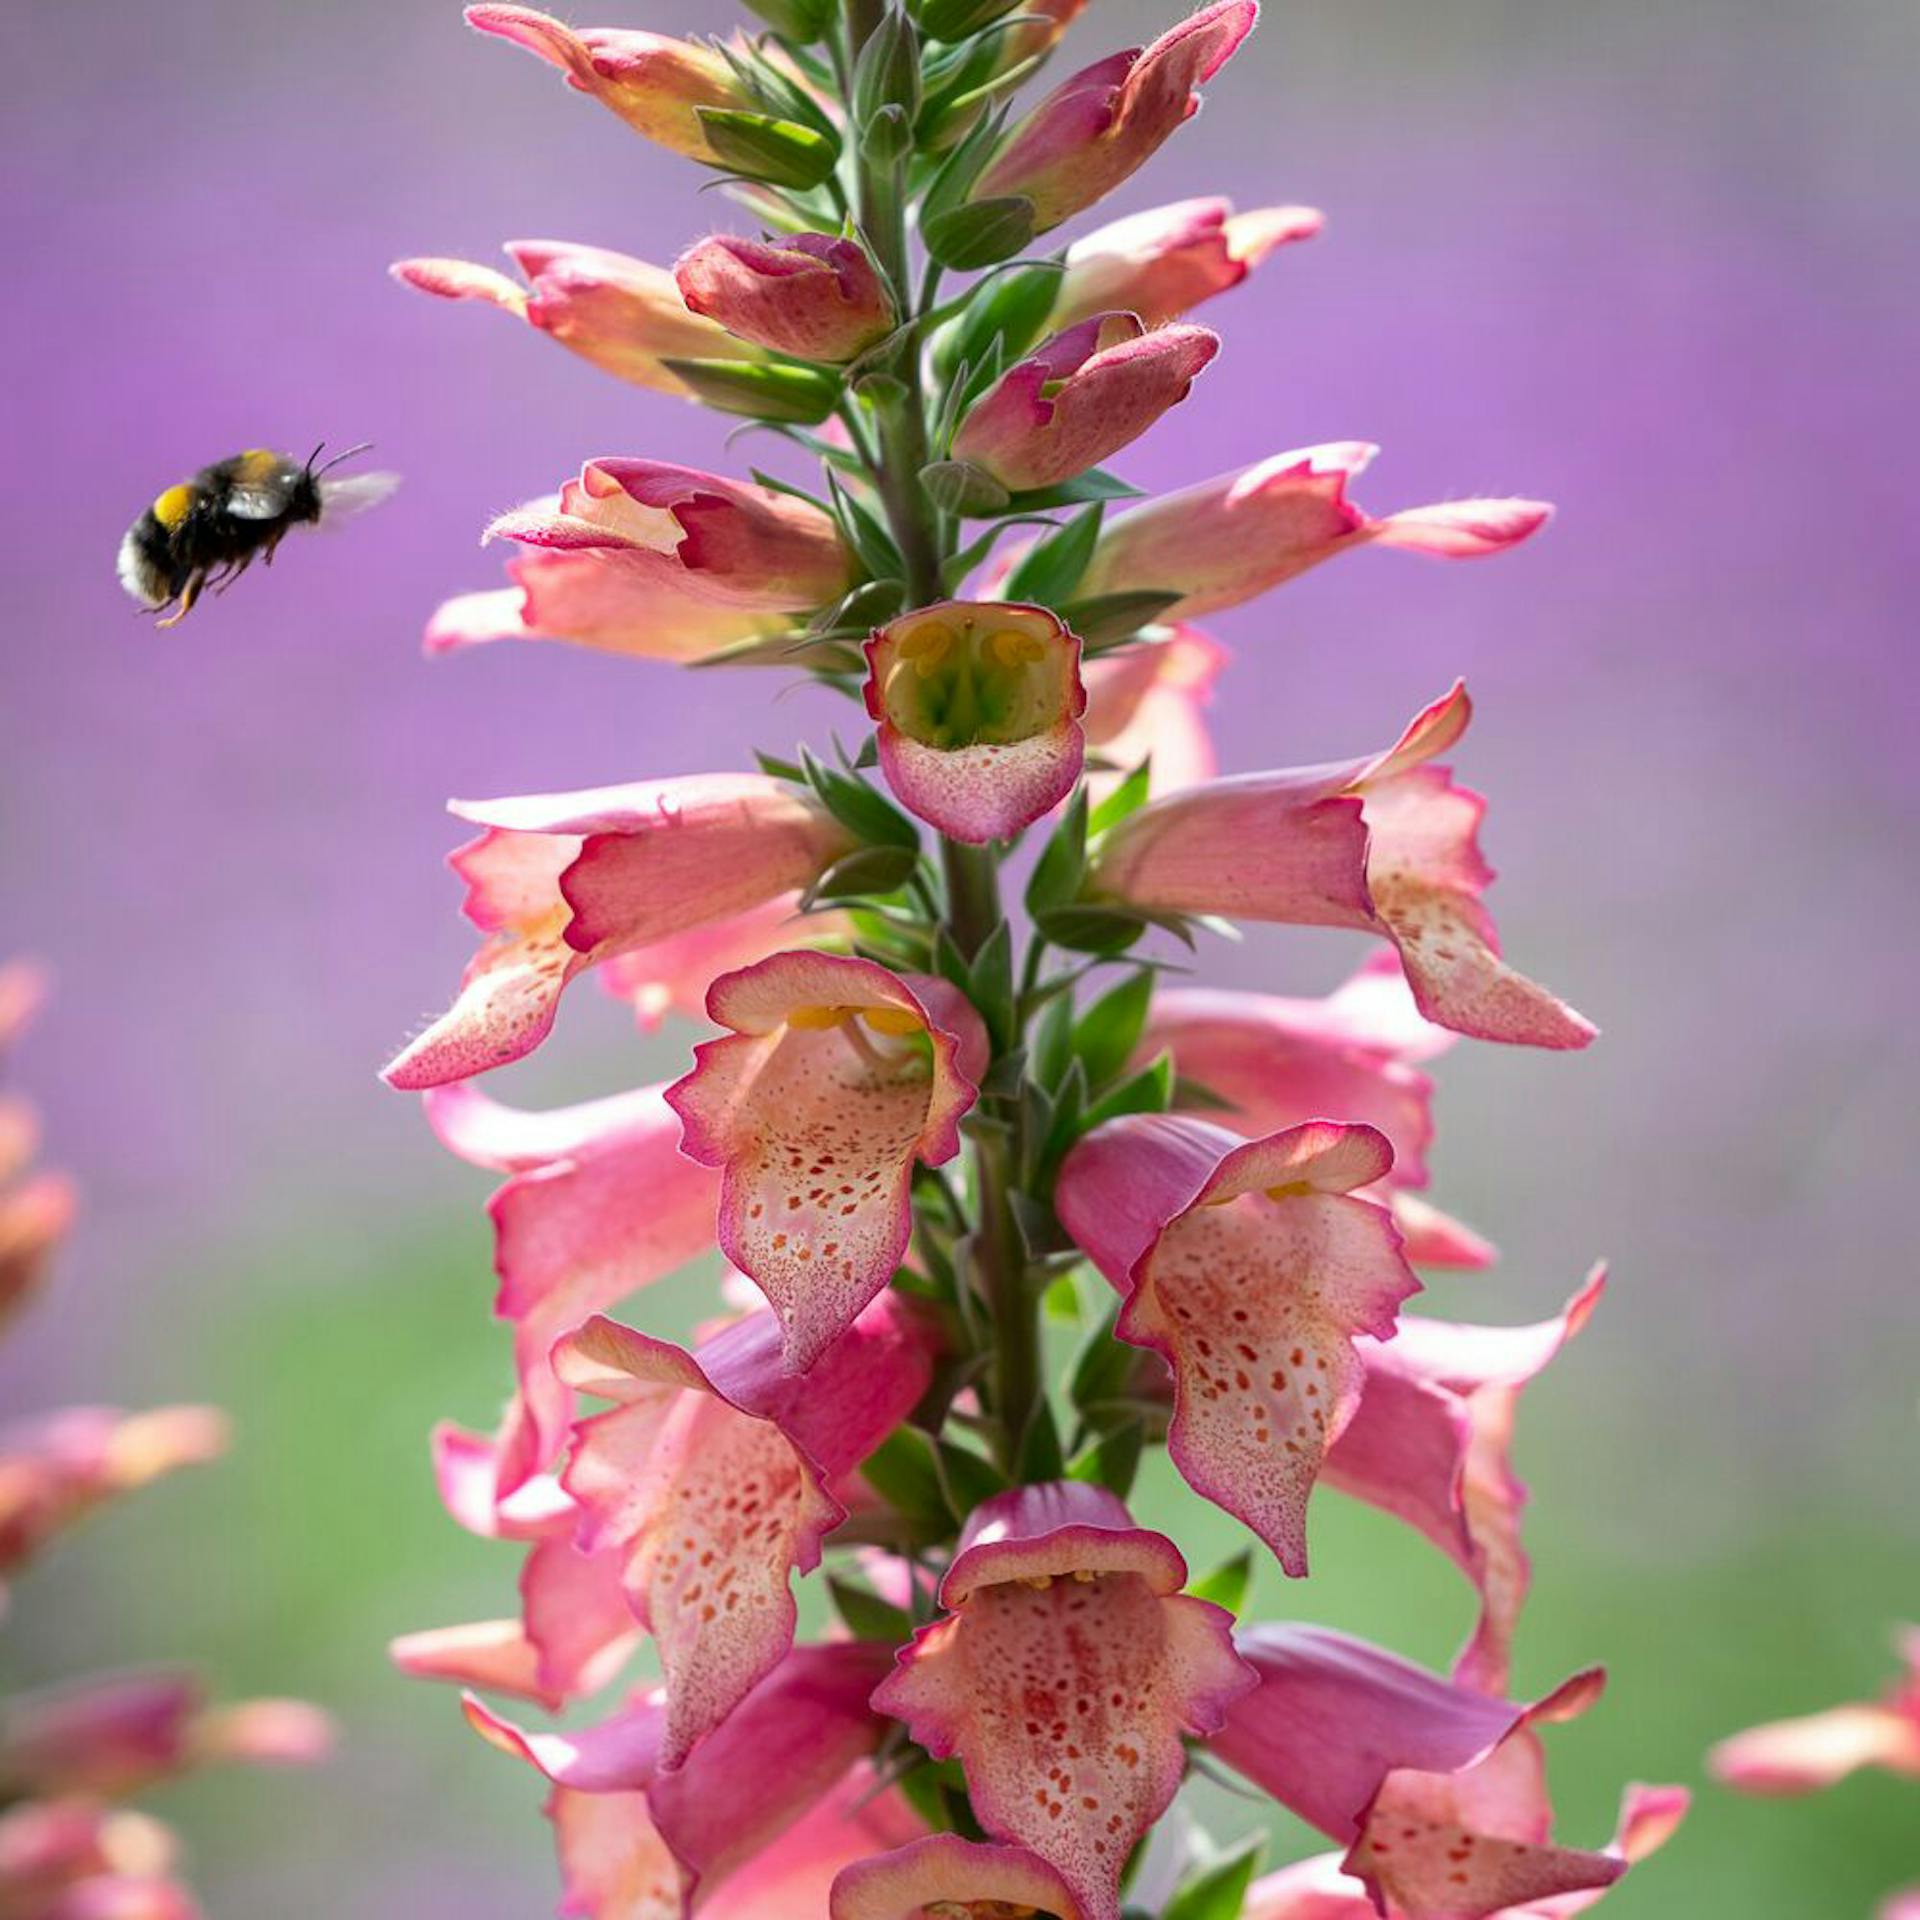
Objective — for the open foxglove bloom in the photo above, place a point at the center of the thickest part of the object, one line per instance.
(1437, 1791)
(56, 1468)
(1819, 1749)
(1321, 1889)
(689, 534)
(812, 295)
(601, 1202)
(1387, 845)
(655, 84)
(622, 315)
(1251, 1269)
(561, 882)
(1148, 702)
(1056, 1596)
(642, 1843)
(1431, 1442)
(945, 1875)
(1080, 397)
(837, 1079)
(1234, 537)
(979, 706)
(712, 1479)
(1109, 119)
(1164, 262)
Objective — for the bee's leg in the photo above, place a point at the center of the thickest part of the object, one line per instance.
(188, 595)
(232, 572)
(272, 547)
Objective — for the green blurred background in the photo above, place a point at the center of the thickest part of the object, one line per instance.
(1655, 263)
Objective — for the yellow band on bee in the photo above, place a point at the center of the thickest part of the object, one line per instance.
(257, 463)
(173, 506)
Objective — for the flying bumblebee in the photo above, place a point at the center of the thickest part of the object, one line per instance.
(208, 530)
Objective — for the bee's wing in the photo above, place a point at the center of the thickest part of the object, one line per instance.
(256, 503)
(354, 493)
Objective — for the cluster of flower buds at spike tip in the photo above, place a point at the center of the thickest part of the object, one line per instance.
(987, 1194)
(72, 1756)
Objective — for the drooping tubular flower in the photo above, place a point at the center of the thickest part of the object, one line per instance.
(812, 295)
(1164, 262)
(1109, 119)
(712, 1479)
(944, 1874)
(979, 705)
(837, 1079)
(645, 1844)
(1820, 1749)
(1080, 397)
(1438, 1792)
(1240, 534)
(1056, 1597)
(654, 83)
(1387, 845)
(79, 1860)
(622, 315)
(1250, 1268)
(600, 1203)
(1431, 1442)
(1148, 702)
(561, 882)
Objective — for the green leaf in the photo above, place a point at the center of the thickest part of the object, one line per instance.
(904, 1471)
(888, 136)
(1041, 1234)
(1128, 797)
(990, 984)
(1218, 1889)
(887, 73)
(1149, 1091)
(958, 486)
(1106, 931)
(1103, 1367)
(1051, 568)
(1052, 1044)
(1061, 869)
(1195, 1096)
(863, 812)
(778, 769)
(1006, 312)
(870, 541)
(980, 233)
(1111, 1461)
(1077, 492)
(782, 153)
(871, 604)
(868, 872)
(961, 168)
(1105, 619)
(1105, 1036)
(958, 19)
(1040, 1455)
(866, 1615)
(802, 20)
(802, 395)
(966, 1478)
(1069, 1104)
(1227, 1584)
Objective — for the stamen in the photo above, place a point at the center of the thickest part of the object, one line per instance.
(893, 1020)
(819, 1019)
(1013, 648)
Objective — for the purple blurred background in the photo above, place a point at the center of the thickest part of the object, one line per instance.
(1658, 265)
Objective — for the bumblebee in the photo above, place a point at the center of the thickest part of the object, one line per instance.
(208, 530)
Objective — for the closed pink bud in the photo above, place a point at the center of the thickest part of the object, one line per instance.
(624, 315)
(810, 295)
(1163, 262)
(1083, 395)
(654, 83)
(1097, 128)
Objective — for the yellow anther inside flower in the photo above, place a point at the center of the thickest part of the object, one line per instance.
(926, 647)
(1290, 1190)
(977, 1910)
(1012, 648)
(819, 1019)
(893, 1020)
(173, 506)
(979, 674)
(1039, 1582)
(1084, 1576)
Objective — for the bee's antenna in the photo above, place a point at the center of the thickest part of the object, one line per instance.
(364, 447)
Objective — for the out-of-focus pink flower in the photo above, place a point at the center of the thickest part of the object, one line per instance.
(34, 1219)
(1055, 1594)
(942, 1874)
(712, 1480)
(979, 706)
(58, 1467)
(75, 1859)
(1148, 702)
(1039, 28)
(561, 882)
(627, 1831)
(623, 315)
(1438, 1791)
(655, 84)
(1318, 1889)
(837, 1079)
(111, 1735)
(813, 295)
(601, 1203)
(1431, 1443)
(1080, 397)
(1250, 1268)
(1815, 1751)
(692, 534)
(1235, 536)
(1095, 129)
(1279, 1062)
(1388, 845)
(1165, 261)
